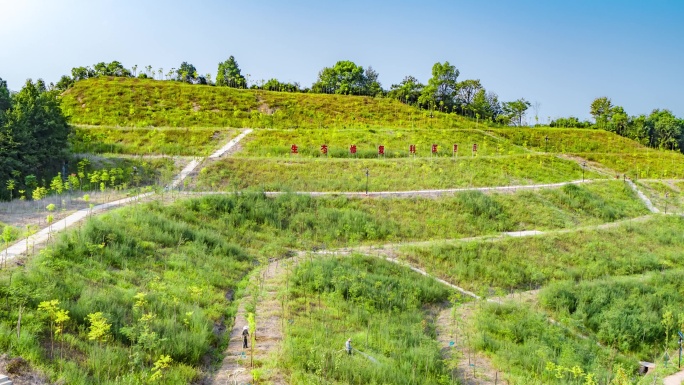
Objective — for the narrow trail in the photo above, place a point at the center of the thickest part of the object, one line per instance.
(643, 197)
(236, 368)
(675, 379)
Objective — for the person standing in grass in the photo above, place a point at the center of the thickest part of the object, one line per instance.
(245, 336)
(348, 346)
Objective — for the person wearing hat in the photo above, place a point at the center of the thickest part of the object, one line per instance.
(245, 335)
(348, 346)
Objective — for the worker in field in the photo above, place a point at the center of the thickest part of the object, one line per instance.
(348, 346)
(245, 336)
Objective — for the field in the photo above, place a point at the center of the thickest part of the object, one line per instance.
(296, 174)
(149, 141)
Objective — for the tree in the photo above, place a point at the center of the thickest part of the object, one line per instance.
(344, 78)
(600, 109)
(465, 95)
(186, 73)
(64, 83)
(442, 86)
(408, 91)
(229, 74)
(372, 85)
(515, 110)
(33, 134)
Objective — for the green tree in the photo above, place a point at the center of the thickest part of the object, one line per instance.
(408, 91)
(187, 73)
(465, 96)
(515, 110)
(442, 86)
(99, 327)
(600, 109)
(345, 78)
(229, 74)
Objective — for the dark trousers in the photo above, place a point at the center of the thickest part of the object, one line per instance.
(244, 342)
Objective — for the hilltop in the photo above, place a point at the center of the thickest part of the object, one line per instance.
(130, 102)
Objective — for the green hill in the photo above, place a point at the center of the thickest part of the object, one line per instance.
(145, 102)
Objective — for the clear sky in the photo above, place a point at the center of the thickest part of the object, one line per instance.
(560, 53)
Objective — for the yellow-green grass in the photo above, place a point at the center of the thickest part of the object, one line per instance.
(396, 142)
(474, 213)
(135, 140)
(144, 102)
(492, 268)
(569, 140)
(333, 174)
(650, 164)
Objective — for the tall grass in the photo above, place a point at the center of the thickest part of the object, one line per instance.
(526, 263)
(522, 343)
(378, 305)
(624, 312)
(138, 141)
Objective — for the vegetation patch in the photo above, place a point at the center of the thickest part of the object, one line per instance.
(379, 306)
(526, 263)
(569, 140)
(530, 350)
(636, 314)
(649, 164)
(138, 141)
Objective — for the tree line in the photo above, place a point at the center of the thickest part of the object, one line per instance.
(33, 137)
(659, 129)
(443, 91)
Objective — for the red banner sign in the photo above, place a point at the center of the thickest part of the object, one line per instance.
(324, 149)
(434, 148)
(412, 149)
(381, 150)
(294, 149)
(352, 149)
(475, 147)
(455, 148)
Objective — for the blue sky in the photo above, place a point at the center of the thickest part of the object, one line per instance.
(562, 54)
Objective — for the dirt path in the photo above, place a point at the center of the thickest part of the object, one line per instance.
(236, 368)
(675, 379)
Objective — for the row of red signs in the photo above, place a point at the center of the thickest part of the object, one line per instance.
(381, 149)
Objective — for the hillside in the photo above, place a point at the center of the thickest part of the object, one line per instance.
(143, 102)
(539, 218)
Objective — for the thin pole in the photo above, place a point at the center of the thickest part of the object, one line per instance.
(367, 181)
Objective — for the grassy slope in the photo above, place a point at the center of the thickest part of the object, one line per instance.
(144, 102)
(377, 304)
(277, 143)
(135, 141)
(525, 263)
(305, 174)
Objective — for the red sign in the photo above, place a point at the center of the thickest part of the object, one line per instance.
(455, 147)
(475, 147)
(294, 149)
(352, 149)
(412, 149)
(434, 148)
(324, 149)
(381, 150)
